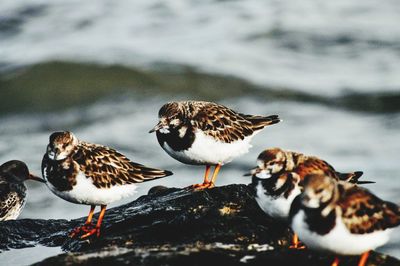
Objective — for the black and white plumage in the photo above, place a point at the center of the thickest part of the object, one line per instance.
(12, 188)
(91, 174)
(206, 133)
(278, 179)
(279, 175)
(341, 218)
(275, 195)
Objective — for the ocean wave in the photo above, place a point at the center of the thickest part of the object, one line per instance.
(311, 47)
(60, 85)
(12, 21)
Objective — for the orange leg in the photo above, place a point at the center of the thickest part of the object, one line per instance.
(215, 174)
(87, 226)
(296, 244)
(210, 184)
(205, 182)
(90, 216)
(364, 258)
(96, 230)
(335, 262)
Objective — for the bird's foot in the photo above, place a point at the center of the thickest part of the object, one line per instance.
(204, 185)
(87, 227)
(93, 231)
(297, 246)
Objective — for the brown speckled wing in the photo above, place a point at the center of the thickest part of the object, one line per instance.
(225, 124)
(363, 212)
(8, 199)
(313, 165)
(108, 167)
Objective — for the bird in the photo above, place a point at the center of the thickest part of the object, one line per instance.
(342, 218)
(275, 161)
(206, 133)
(91, 174)
(13, 174)
(278, 179)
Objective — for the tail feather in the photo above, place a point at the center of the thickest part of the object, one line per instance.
(260, 122)
(149, 174)
(353, 177)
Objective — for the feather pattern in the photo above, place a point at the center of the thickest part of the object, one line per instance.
(215, 120)
(12, 200)
(280, 175)
(104, 166)
(107, 167)
(341, 217)
(363, 212)
(284, 161)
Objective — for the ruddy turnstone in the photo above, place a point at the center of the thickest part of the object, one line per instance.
(12, 188)
(342, 218)
(276, 161)
(279, 176)
(91, 174)
(205, 133)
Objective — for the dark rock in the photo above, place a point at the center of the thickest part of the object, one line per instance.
(27, 232)
(175, 227)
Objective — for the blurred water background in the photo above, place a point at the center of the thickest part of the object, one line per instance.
(102, 69)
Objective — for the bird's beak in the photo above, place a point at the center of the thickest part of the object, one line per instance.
(252, 172)
(36, 178)
(156, 128)
(365, 182)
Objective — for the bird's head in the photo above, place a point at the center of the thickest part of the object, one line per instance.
(269, 162)
(17, 172)
(61, 145)
(318, 190)
(170, 118)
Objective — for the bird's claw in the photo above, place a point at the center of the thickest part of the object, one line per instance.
(203, 186)
(93, 231)
(81, 229)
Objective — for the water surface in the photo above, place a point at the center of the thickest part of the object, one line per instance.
(102, 69)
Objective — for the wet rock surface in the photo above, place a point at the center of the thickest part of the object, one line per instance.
(175, 227)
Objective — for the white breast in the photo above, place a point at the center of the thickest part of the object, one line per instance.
(339, 240)
(276, 207)
(206, 150)
(84, 192)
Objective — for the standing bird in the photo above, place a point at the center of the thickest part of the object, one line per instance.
(279, 176)
(342, 218)
(91, 174)
(12, 188)
(205, 133)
